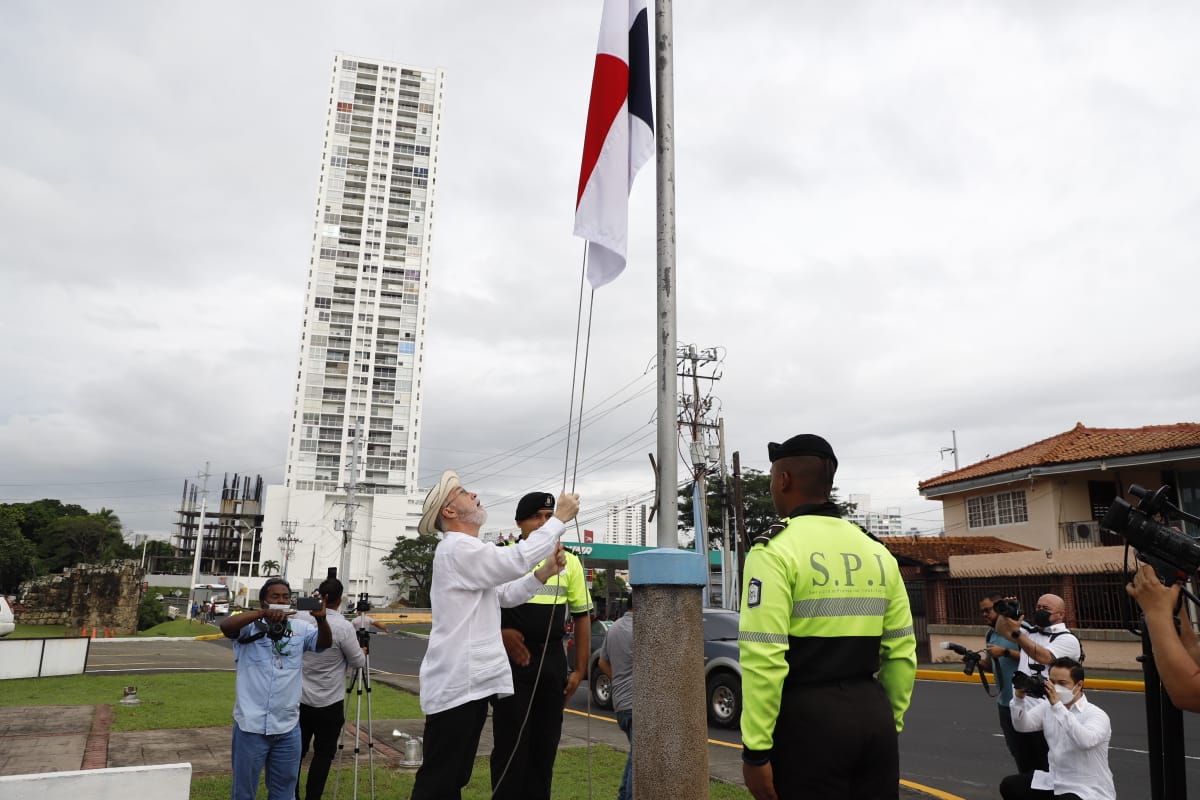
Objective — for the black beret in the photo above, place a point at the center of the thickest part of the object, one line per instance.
(806, 444)
(532, 503)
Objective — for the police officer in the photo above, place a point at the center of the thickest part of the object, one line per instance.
(533, 634)
(823, 610)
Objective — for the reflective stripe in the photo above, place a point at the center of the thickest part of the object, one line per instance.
(899, 633)
(762, 638)
(581, 609)
(840, 607)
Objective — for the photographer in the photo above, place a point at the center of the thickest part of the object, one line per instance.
(268, 648)
(322, 698)
(1002, 658)
(1078, 733)
(1046, 641)
(1176, 650)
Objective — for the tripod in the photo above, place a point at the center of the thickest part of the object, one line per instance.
(359, 683)
(1164, 729)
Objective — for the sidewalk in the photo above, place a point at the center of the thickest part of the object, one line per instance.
(61, 738)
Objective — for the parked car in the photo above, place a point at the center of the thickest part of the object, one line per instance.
(8, 622)
(597, 680)
(722, 671)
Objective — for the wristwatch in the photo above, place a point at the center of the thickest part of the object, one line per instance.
(1016, 634)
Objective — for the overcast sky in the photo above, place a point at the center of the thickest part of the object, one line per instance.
(895, 219)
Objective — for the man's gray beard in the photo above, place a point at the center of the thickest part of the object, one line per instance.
(476, 516)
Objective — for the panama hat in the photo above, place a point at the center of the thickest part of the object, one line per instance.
(435, 500)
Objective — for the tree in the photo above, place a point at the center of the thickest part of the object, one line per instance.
(151, 611)
(600, 584)
(18, 555)
(91, 539)
(412, 560)
(37, 516)
(270, 567)
(758, 509)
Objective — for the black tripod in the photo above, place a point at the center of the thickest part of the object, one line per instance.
(359, 683)
(1164, 729)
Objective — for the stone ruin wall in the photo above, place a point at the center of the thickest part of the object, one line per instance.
(85, 597)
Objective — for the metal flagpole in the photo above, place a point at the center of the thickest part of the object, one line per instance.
(664, 129)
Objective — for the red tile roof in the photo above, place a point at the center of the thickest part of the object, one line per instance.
(932, 550)
(1080, 444)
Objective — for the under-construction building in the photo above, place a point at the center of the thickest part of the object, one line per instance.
(232, 528)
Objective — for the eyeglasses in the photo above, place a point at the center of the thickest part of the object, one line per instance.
(987, 610)
(453, 496)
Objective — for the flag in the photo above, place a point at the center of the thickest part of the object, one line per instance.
(619, 138)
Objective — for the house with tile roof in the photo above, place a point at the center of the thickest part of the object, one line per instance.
(1049, 498)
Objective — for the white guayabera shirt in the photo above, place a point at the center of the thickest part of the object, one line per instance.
(1078, 738)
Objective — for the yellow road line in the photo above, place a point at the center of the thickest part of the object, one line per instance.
(938, 793)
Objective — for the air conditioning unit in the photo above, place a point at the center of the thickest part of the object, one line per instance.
(1086, 532)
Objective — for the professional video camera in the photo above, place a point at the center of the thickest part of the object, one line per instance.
(364, 603)
(1033, 685)
(1174, 555)
(971, 658)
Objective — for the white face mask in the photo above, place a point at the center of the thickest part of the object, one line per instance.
(1065, 694)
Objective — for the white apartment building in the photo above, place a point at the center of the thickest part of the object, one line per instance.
(627, 524)
(885, 523)
(363, 337)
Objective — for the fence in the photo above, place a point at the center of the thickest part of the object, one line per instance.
(1093, 601)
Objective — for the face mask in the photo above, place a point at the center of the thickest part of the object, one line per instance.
(1041, 618)
(1065, 693)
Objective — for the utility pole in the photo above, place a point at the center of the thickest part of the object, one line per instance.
(952, 449)
(199, 542)
(701, 454)
(740, 521)
(346, 525)
(728, 587)
(287, 543)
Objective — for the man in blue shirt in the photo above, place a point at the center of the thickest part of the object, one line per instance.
(269, 648)
(1003, 655)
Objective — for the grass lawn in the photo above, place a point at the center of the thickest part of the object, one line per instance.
(180, 627)
(176, 700)
(570, 779)
(41, 632)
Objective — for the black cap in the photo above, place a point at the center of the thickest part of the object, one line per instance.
(806, 444)
(532, 503)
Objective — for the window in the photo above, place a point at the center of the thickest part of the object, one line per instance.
(1005, 508)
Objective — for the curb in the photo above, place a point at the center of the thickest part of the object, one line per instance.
(1099, 684)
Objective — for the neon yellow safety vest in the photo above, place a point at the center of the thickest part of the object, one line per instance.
(821, 602)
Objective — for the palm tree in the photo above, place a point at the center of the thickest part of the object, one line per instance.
(270, 567)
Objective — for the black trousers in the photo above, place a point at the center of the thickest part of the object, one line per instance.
(321, 726)
(451, 740)
(1010, 734)
(1017, 787)
(836, 740)
(1032, 752)
(531, 768)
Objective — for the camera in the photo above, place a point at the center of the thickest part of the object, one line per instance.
(308, 604)
(971, 658)
(1173, 554)
(1033, 685)
(1008, 607)
(364, 638)
(364, 603)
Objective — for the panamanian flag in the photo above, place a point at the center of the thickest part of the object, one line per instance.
(619, 137)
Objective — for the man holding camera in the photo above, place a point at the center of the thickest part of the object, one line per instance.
(268, 648)
(1047, 640)
(323, 692)
(466, 665)
(1172, 636)
(1002, 658)
(1078, 733)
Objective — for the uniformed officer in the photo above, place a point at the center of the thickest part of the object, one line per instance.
(533, 634)
(824, 609)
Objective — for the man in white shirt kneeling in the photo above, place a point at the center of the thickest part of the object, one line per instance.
(1077, 733)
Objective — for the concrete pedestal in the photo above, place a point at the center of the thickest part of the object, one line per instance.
(670, 728)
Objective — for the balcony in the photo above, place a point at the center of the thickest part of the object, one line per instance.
(1083, 534)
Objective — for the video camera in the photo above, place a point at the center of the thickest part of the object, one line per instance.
(1174, 555)
(1033, 685)
(1008, 607)
(364, 603)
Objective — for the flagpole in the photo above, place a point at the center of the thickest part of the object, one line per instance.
(667, 278)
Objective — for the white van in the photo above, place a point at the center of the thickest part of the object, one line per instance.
(8, 622)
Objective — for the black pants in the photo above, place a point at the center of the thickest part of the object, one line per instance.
(531, 769)
(1017, 787)
(451, 740)
(321, 726)
(836, 740)
(1032, 752)
(1010, 734)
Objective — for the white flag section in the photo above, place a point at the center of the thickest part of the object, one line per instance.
(619, 138)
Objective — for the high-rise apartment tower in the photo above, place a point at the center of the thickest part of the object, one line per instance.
(363, 337)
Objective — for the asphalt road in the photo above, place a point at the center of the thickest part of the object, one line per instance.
(951, 739)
